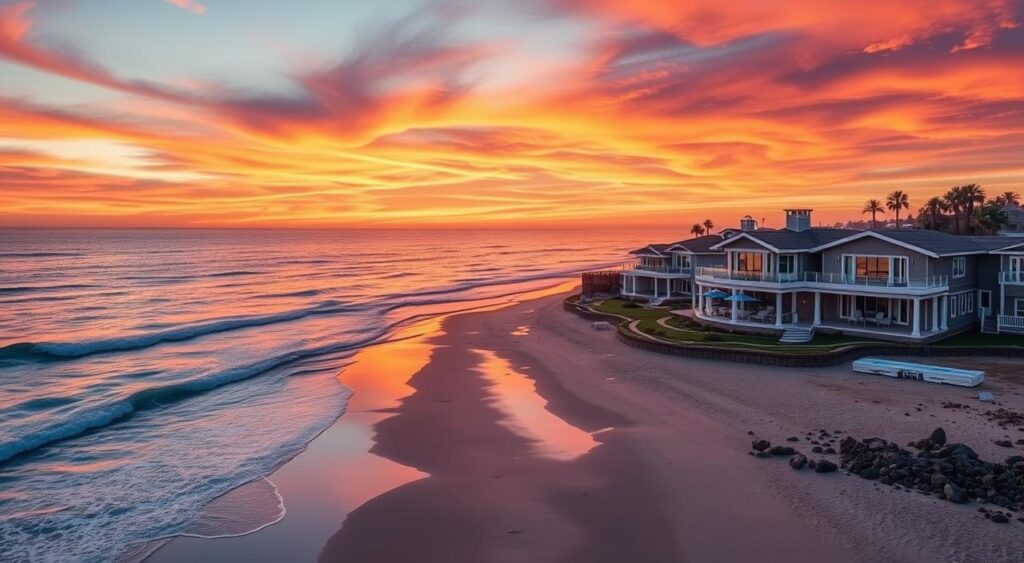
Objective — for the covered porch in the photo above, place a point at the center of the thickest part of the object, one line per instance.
(656, 286)
(874, 316)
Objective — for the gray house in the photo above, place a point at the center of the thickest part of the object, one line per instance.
(666, 271)
(895, 284)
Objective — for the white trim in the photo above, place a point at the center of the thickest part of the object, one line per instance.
(750, 238)
(963, 270)
(874, 234)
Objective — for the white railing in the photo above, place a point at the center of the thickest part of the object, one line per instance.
(1010, 322)
(824, 277)
(1011, 277)
(660, 269)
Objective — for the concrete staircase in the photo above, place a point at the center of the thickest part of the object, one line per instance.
(797, 335)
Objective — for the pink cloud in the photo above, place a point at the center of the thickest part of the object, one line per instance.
(190, 5)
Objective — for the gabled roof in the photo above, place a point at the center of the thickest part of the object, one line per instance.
(783, 240)
(653, 250)
(697, 245)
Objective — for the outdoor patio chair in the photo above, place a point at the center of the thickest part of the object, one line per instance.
(883, 319)
(856, 317)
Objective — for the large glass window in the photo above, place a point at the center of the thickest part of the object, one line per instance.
(959, 267)
(896, 310)
(873, 267)
(1018, 309)
(787, 264)
(749, 262)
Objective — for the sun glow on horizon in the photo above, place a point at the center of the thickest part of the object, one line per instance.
(533, 114)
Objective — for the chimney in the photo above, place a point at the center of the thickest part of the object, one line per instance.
(747, 223)
(798, 219)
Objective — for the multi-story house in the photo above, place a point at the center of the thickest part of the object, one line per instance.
(666, 271)
(896, 284)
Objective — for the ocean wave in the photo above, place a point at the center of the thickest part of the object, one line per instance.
(161, 396)
(65, 350)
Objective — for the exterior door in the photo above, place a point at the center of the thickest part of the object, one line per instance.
(984, 303)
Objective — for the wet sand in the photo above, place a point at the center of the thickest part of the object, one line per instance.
(523, 435)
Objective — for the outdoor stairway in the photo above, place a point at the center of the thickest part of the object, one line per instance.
(797, 335)
(988, 325)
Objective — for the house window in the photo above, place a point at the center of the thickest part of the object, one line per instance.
(896, 310)
(787, 264)
(959, 267)
(873, 267)
(1018, 307)
(684, 260)
(749, 262)
(961, 304)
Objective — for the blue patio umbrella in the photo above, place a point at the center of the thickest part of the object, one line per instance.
(742, 298)
(716, 294)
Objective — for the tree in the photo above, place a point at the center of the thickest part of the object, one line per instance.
(989, 218)
(874, 207)
(708, 225)
(954, 201)
(895, 201)
(697, 230)
(1008, 199)
(973, 195)
(933, 209)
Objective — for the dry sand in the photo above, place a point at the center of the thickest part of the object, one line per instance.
(526, 436)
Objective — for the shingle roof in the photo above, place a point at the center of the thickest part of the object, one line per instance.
(784, 239)
(699, 245)
(658, 249)
(935, 241)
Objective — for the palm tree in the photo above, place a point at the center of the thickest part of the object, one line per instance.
(895, 201)
(989, 218)
(708, 225)
(1008, 199)
(973, 195)
(955, 202)
(933, 208)
(874, 207)
(697, 230)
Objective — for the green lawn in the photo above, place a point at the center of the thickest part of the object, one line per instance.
(620, 307)
(975, 338)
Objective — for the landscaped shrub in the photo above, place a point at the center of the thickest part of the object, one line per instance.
(630, 305)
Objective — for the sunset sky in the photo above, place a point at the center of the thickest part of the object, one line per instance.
(552, 113)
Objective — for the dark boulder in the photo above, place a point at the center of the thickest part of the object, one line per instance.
(954, 493)
(798, 461)
(824, 466)
(1004, 443)
(761, 445)
(938, 437)
(781, 450)
(999, 518)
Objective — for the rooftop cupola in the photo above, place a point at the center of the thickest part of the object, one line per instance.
(798, 219)
(747, 224)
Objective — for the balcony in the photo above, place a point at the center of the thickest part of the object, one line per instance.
(816, 280)
(637, 266)
(1011, 278)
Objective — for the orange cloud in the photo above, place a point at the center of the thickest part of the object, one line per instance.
(668, 112)
(190, 5)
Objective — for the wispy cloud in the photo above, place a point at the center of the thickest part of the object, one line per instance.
(190, 5)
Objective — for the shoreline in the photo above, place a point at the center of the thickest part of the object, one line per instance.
(432, 442)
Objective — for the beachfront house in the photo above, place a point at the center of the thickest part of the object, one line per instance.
(663, 272)
(896, 284)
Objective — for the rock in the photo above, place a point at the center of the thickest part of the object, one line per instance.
(762, 454)
(781, 450)
(999, 518)
(830, 450)
(870, 473)
(824, 466)
(1003, 443)
(848, 444)
(938, 437)
(939, 480)
(954, 493)
(761, 445)
(798, 461)
(792, 439)
(816, 449)
(1014, 460)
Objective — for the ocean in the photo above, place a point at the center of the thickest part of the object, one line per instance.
(144, 373)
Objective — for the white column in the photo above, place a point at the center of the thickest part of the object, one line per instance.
(917, 318)
(792, 299)
(935, 313)
(817, 308)
(655, 280)
(734, 310)
(945, 312)
(778, 309)
(668, 288)
(694, 297)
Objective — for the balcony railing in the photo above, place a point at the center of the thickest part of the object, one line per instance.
(1011, 277)
(660, 269)
(823, 277)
